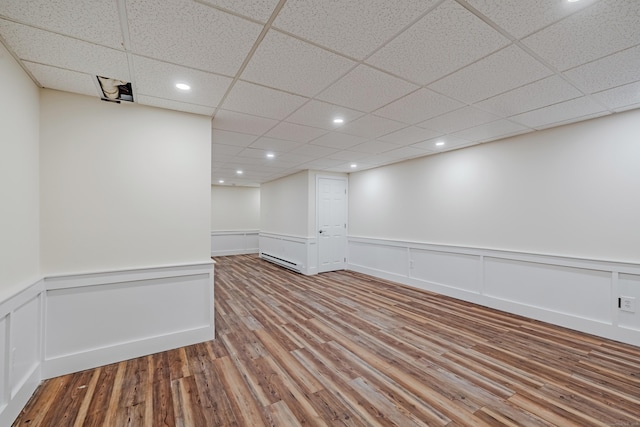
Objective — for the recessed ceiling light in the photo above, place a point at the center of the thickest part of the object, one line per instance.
(353, 165)
(221, 181)
(183, 86)
(440, 143)
(270, 155)
(572, 1)
(338, 120)
(239, 172)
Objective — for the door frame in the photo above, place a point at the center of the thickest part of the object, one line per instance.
(346, 212)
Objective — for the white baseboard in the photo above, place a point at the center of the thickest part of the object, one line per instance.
(576, 293)
(301, 251)
(237, 242)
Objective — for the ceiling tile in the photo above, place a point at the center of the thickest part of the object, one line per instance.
(550, 90)
(409, 135)
(47, 48)
(371, 126)
(258, 155)
(173, 105)
(561, 112)
(379, 159)
(322, 163)
(321, 114)
(352, 27)
(294, 132)
(190, 34)
(347, 156)
(275, 144)
(520, 18)
(407, 153)
(289, 64)
(294, 158)
(261, 101)
(374, 147)
(602, 29)
(97, 21)
(494, 130)
(338, 140)
(260, 10)
(65, 80)
(366, 89)
(435, 46)
(231, 138)
(611, 71)
(504, 70)
(224, 150)
(238, 122)
(418, 106)
(620, 97)
(450, 142)
(459, 119)
(158, 79)
(313, 150)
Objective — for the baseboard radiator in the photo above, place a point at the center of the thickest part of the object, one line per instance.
(291, 265)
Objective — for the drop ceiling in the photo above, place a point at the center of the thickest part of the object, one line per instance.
(402, 74)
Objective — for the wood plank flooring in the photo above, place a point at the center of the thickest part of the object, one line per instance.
(344, 349)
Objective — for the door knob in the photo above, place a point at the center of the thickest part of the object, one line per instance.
(320, 231)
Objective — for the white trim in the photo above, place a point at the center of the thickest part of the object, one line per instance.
(298, 250)
(234, 242)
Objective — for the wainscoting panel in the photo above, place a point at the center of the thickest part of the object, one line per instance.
(575, 293)
(235, 242)
(297, 253)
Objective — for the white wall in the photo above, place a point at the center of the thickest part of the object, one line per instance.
(569, 191)
(19, 182)
(235, 208)
(123, 185)
(284, 205)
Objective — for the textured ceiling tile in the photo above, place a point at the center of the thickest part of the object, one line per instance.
(65, 80)
(190, 34)
(493, 130)
(550, 90)
(561, 112)
(158, 79)
(259, 10)
(294, 132)
(371, 126)
(275, 144)
(347, 155)
(261, 101)
(289, 64)
(173, 105)
(224, 150)
(313, 150)
(435, 46)
(450, 142)
(606, 27)
(366, 89)
(418, 106)
(409, 135)
(374, 147)
(504, 70)
(44, 47)
(231, 138)
(520, 18)
(352, 27)
(322, 163)
(610, 71)
(407, 153)
(621, 96)
(321, 114)
(238, 122)
(96, 21)
(459, 119)
(338, 140)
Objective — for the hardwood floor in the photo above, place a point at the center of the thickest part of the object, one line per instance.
(347, 349)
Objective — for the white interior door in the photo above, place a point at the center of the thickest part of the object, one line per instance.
(332, 224)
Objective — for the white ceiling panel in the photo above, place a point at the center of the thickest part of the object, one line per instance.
(418, 106)
(547, 91)
(316, 151)
(224, 150)
(294, 132)
(611, 71)
(459, 119)
(450, 142)
(366, 89)
(321, 114)
(557, 113)
(65, 80)
(351, 27)
(173, 105)
(232, 138)
(159, 79)
(409, 135)
(275, 144)
(602, 29)
(97, 21)
(407, 153)
(257, 155)
(190, 34)
(504, 70)
(520, 18)
(289, 64)
(435, 46)
(347, 156)
(322, 163)
(261, 101)
(259, 10)
(371, 126)
(620, 97)
(338, 141)
(374, 147)
(493, 130)
(32, 44)
(244, 123)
